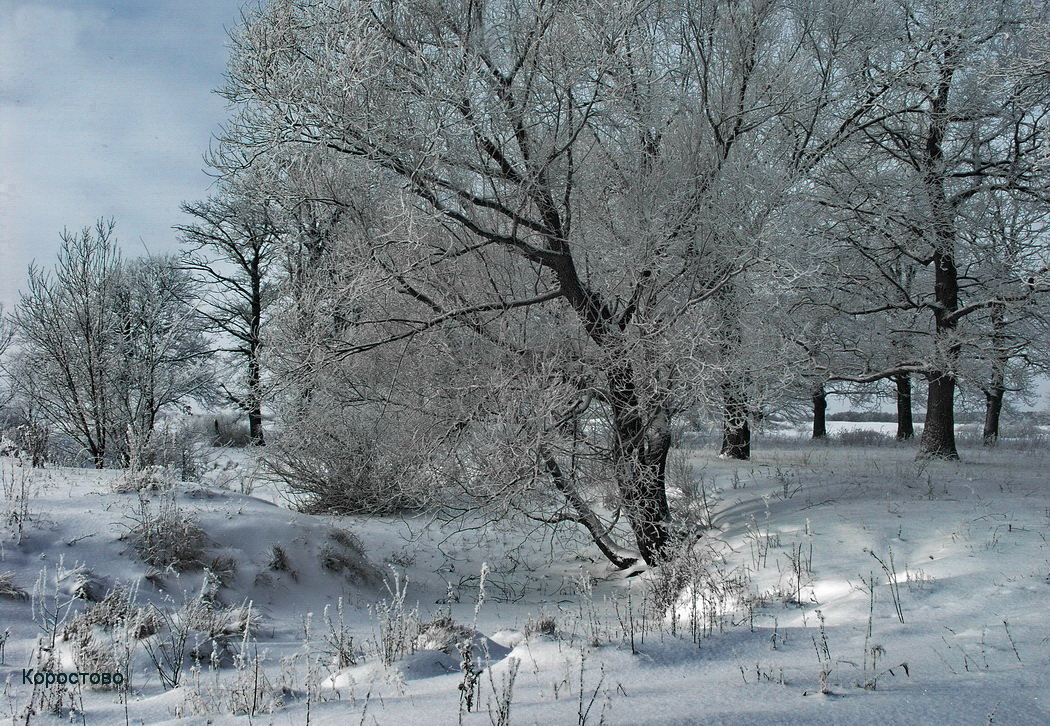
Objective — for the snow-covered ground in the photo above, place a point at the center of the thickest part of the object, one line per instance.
(835, 585)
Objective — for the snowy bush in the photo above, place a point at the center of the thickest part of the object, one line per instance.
(224, 429)
(8, 589)
(862, 437)
(167, 537)
(116, 610)
(344, 554)
(340, 467)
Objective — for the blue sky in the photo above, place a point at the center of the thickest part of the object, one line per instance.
(106, 110)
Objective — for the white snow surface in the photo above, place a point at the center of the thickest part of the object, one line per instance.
(778, 595)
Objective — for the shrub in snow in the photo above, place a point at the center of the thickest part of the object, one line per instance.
(224, 429)
(102, 637)
(198, 632)
(166, 537)
(442, 633)
(34, 441)
(335, 462)
(117, 610)
(82, 584)
(8, 447)
(344, 554)
(862, 437)
(542, 625)
(150, 478)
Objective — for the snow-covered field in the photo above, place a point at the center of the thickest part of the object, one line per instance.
(835, 585)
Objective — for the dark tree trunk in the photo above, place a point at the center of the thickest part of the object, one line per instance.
(255, 419)
(938, 434)
(640, 456)
(736, 423)
(993, 407)
(641, 437)
(993, 394)
(255, 427)
(736, 428)
(820, 409)
(905, 422)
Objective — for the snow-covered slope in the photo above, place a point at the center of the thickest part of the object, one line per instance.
(833, 585)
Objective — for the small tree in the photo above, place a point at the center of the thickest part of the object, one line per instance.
(232, 245)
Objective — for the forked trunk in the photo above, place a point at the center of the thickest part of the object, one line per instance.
(905, 421)
(640, 429)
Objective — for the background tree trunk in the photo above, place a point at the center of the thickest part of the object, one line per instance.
(993, 407)
(905, 422)
(736, 429)
(994, 392)
(820, 408)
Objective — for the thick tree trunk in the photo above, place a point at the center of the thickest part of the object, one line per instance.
(640, 456)
(993, 407)
(905, 421)
(820, 409)
(639, 446)
(938, 434)
(651, 518)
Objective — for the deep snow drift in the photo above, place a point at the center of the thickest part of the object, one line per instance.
(831, 584)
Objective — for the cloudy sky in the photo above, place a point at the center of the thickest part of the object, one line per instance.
(106, 108)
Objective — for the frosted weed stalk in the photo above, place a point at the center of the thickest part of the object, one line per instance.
(50, 610)
(890, 569)
(15, 481)
(338, 642)
(398, 625)
(468, 687)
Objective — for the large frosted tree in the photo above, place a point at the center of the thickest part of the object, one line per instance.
(566, 185)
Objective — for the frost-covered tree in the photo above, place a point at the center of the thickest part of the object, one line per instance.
(233, 250)
(566, 186)
(961, 130)
(104, 346)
